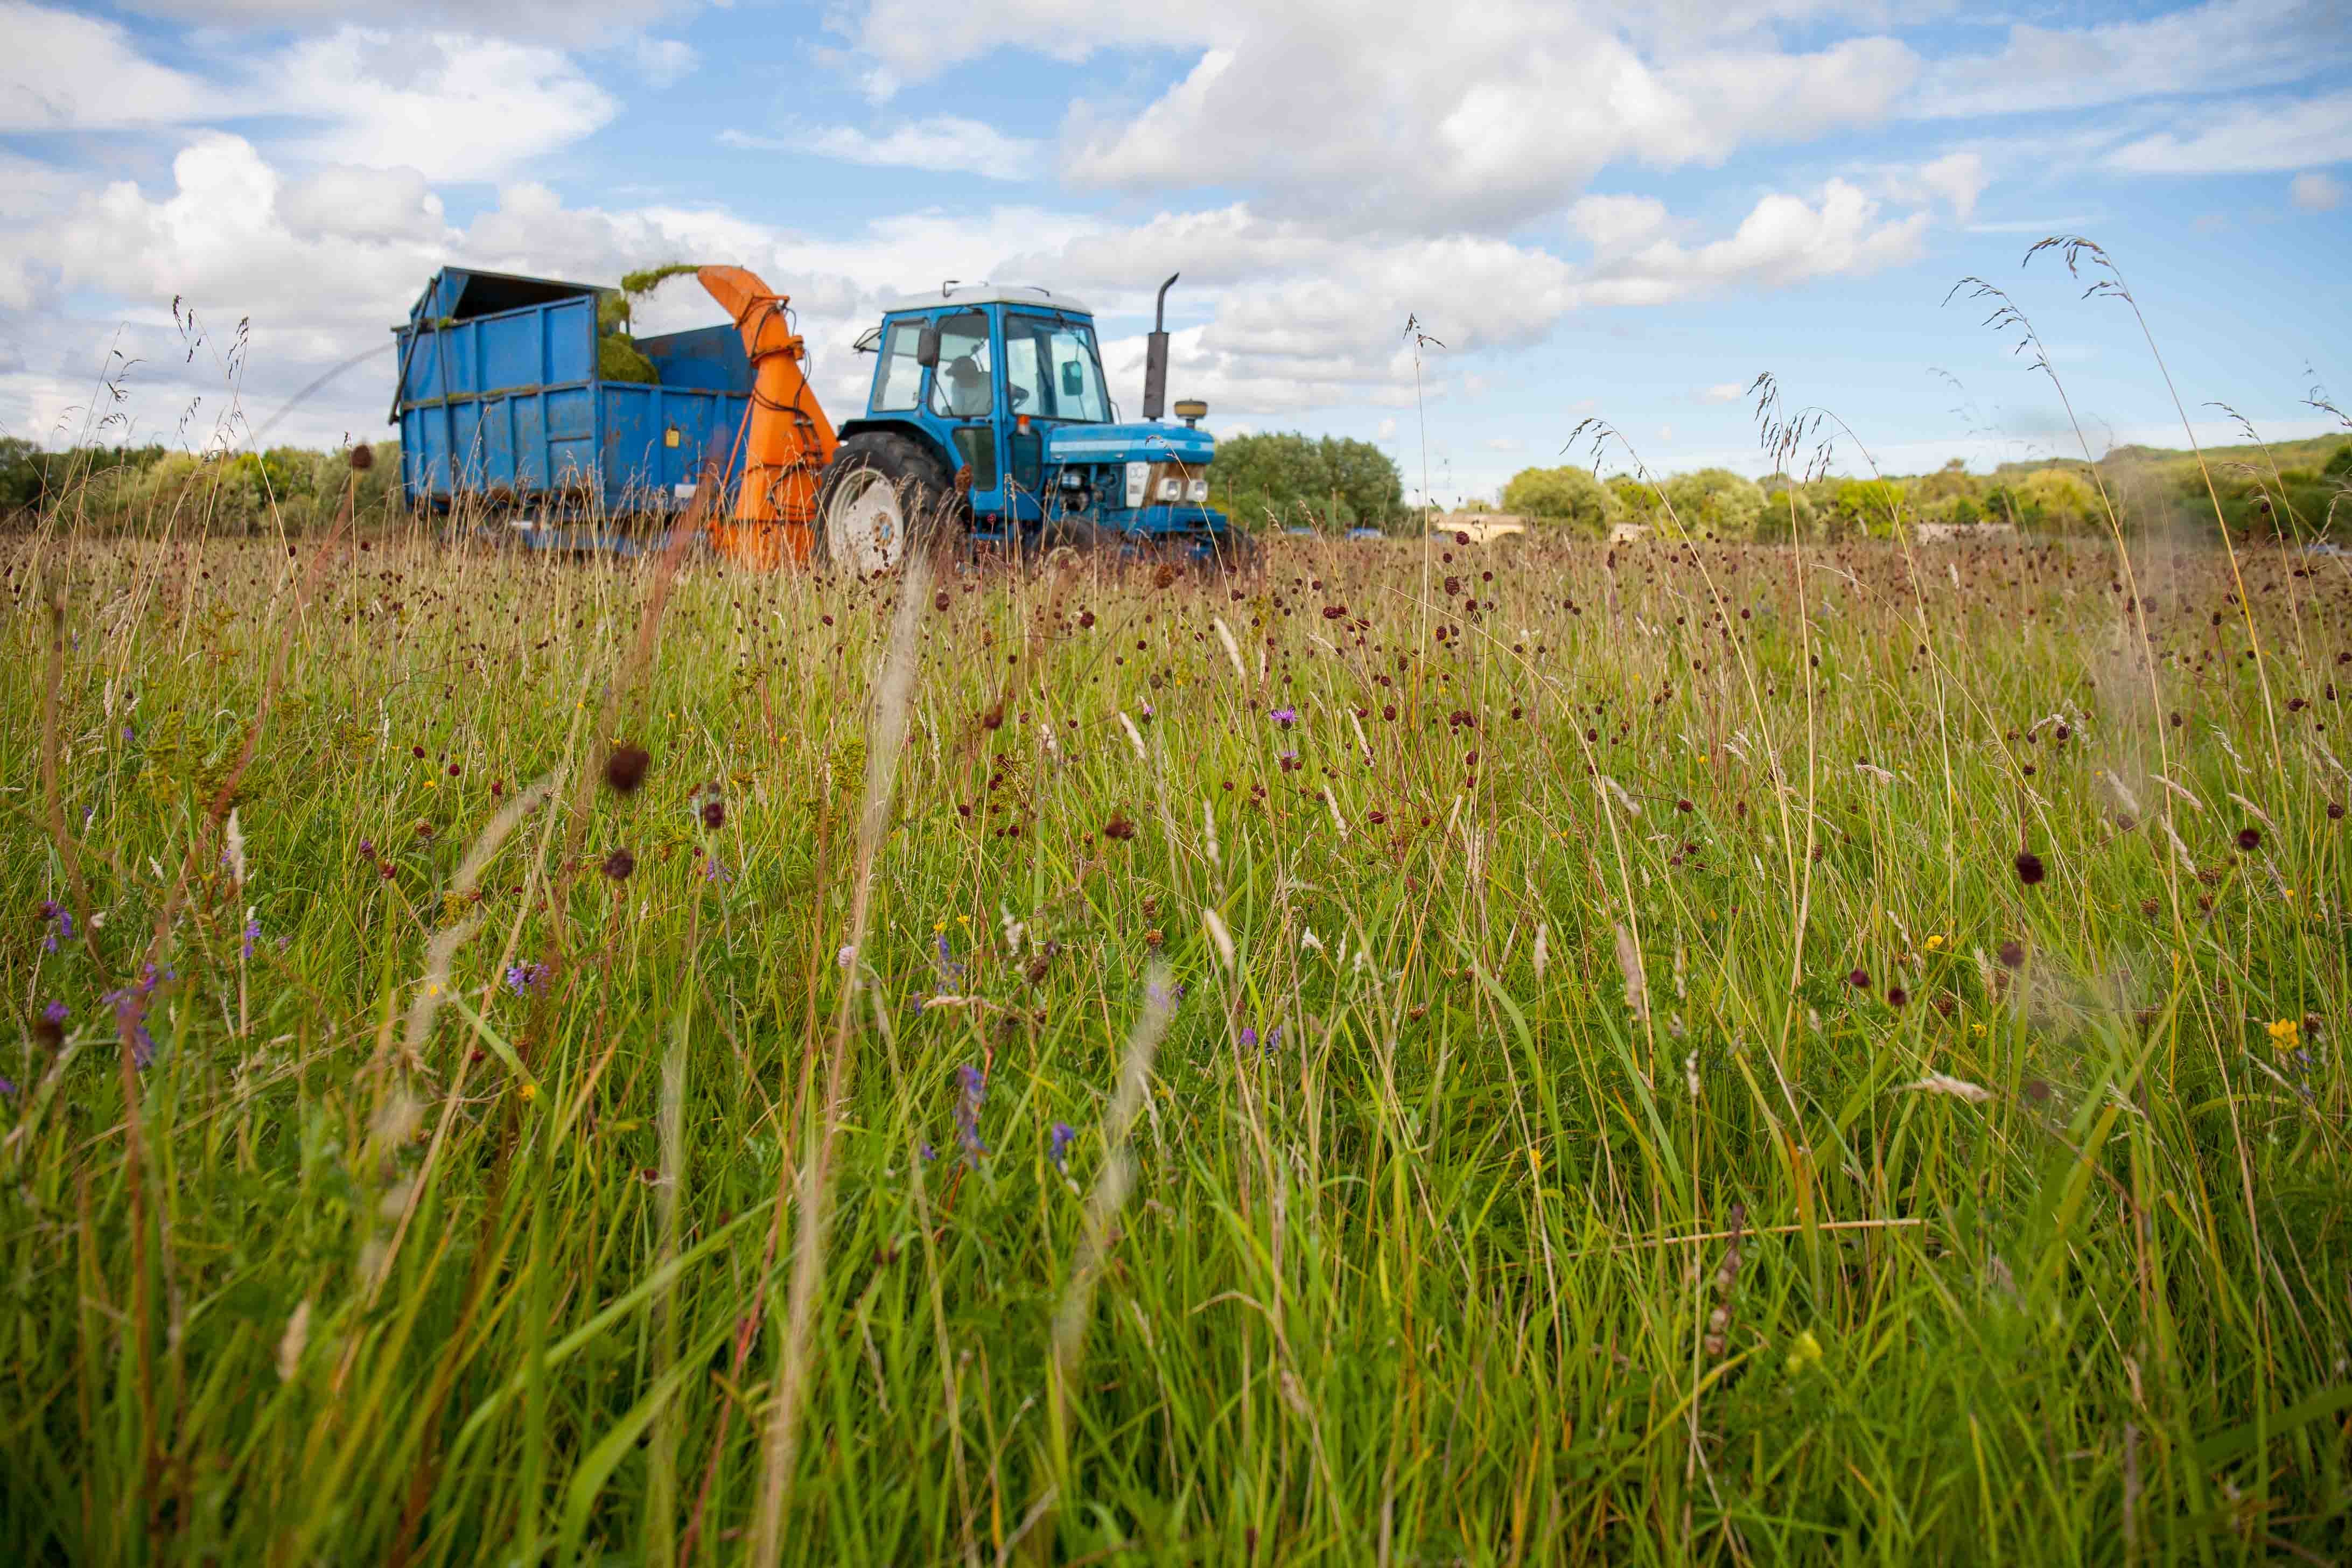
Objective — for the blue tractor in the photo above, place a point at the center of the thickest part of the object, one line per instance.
(988, 422)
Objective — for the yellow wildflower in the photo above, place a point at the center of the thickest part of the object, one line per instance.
(2283, 1033)
(1935, 944)
(1804, 1353)
(530, 1092)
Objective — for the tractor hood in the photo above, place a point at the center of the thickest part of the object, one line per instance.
(1137, 443)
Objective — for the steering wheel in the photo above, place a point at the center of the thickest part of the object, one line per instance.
(1020, 394)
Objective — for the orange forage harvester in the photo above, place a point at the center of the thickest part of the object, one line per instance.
(788, 440)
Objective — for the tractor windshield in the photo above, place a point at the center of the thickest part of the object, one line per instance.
(1051, 370)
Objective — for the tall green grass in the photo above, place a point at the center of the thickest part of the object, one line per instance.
(1611, 1093)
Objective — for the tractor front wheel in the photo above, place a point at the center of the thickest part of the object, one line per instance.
(882, 497)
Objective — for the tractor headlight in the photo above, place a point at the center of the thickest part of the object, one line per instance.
(1172, 489)
(1198, 490)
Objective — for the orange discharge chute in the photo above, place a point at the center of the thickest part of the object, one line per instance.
(788, 440)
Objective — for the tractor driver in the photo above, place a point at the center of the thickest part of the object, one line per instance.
(968, 387)
(962, 387)
(968, 384)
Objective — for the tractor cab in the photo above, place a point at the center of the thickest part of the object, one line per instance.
(994, 396)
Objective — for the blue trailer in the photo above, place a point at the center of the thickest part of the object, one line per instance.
(500, 406)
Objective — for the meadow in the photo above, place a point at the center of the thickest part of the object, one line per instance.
(1425, 1055)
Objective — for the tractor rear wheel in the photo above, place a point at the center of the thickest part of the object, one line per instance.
(882, 497)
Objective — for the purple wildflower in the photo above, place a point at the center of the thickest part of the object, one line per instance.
(367, 848)
(58, 916)
(972, 1086)
(1286, 716)
(8, 1087)
(525, 978)
(129, 1005)
(252, 935)
(1249, 1038)
(57, 1013)
(923, 1147)
(712, 871)
(1057, 1145)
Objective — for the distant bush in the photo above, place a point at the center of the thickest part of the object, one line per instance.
(1570, 496)
(1283, 479)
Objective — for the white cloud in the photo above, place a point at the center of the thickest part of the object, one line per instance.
(1398, 115)
(2072, 224)
(1722, 392)
(2222, 45)
(1305, 316)
(1956, 179)
(1433, 119)
(570, 22)
(1501, 444)
(450, 105)
(455, 107)
(352, 203)
(663, 62)
(943, 144)
(1617, 223)
(66, 72)
(2258, 136)
(2315, 193)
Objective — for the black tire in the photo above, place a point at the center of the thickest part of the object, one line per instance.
(1234, 554)
(873, 475)
(1083, 535)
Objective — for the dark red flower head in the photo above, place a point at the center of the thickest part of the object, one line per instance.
(619, 864)
(2013, 955)
(624, 770)
(2249, 839)
(1859, 980)
(2029, 867)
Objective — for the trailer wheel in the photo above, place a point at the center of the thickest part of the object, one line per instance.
(883, 496)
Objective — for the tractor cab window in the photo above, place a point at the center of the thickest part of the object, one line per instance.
(898, 380)
(1051, 370)
(962, 387)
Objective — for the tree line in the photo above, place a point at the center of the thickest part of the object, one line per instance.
(296, 486)
(2299, 493)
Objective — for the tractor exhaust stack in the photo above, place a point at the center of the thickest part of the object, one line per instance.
(1155, 356)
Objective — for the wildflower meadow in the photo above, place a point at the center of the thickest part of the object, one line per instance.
(1424, 1054)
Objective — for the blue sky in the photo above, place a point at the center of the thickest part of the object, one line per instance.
(1624, 212)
